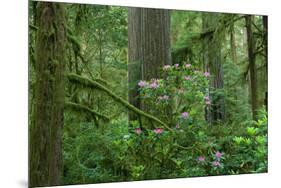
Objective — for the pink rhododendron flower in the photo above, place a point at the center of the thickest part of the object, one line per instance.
(142, 83)
(184, 115)
(153, 85)
(187, 77)
(176, 65)
(187, 65)
(216, 163)
(164, 97)
(206, 74)
(166, 67)
(138, 131)
(201, 159)
(218, 154)
(158, 130)
(208, 102)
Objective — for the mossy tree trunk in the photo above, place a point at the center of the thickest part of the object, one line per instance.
(233, 44)
(135, 57)
(213, 63)
(149, 48)
(155, 39)
(45, 141)
(252, 65)
(265, 27)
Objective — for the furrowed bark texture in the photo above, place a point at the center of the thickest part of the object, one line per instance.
(149, 48)
(252, 65)
(265, 26)
(213, 63)
(135, 58)
(45, 141)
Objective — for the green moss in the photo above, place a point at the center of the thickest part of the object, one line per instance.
(95, 85)
(85, 108)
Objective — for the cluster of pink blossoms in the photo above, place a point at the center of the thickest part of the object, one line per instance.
(142, 83)
(206, 74)
(184, 115)
(207, 100)
(201, 159)
(164, 97)
(158, 130)
(216, 163)
(187, 65)
(138, 130)
(218, 156)
(153, 84)
(187, 77)
(166, 67)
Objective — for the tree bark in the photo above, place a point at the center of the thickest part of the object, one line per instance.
(45, 141)
(155, 42)
(149, 48)
(135, 58)
(252, 65)
(233, 44)
(265, 26)
(213, 63)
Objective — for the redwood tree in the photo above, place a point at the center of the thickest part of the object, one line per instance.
(213, 63)
(265, 27)
(252, 64)
(149, 47)
(45, 141)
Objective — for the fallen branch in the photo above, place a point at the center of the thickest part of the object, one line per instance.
(33, 27)
(95, 85)
(85, 108)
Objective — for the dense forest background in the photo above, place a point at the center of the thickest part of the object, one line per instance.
(123, 93)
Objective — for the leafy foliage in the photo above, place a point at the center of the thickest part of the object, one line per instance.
(172, 137)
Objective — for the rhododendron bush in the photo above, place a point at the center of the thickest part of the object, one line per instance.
(180, 97)
(126, 93)
(190, 147)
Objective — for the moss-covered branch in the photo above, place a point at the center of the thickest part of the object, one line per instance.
(95, 85)
(33, 27)
(77, 50)
(86, 109)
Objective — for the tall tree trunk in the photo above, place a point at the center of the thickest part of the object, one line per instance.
(45, 141)
(233, 44)
(149, 48)
(135, 57)
(252, 65)
(265, 26)
(155, 42)
(213, 63)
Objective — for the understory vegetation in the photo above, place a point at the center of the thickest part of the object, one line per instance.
(126, 94)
